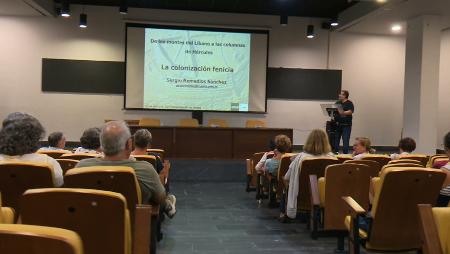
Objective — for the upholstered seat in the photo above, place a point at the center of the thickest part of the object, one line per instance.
(188, 122)
(31, 239)
(254, 123)
(217, 123)
(149, 122)
(393, 220)
(148, 158)
(67, 164)
(79, 156)
(327, 207)
(435, 229)
(380, 158)
(54, 153)
(101, 218)
(422, 158)
(6, 214)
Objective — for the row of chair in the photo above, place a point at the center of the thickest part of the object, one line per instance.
(388, 188)
(65, 154)
(190, 122)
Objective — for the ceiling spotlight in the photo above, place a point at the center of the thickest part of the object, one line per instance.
(396, 28)
(65, 9)
(284, 20)
(123, 8)
(334, 22)
(310, 32)
(83, 20)
(381, 1)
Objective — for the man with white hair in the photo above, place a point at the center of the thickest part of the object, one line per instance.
(116, 142)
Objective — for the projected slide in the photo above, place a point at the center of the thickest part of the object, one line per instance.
(196, 70)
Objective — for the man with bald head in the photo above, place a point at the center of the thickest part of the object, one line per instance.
(116, 142)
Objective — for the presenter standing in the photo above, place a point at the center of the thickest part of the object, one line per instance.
(343, 118)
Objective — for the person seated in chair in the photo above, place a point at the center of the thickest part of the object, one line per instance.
(56, 141)
(142, 141)
(90, 142)
(362, 147)
(282, 145)
(406, 147)
(116, 143)
(444, 195)
(317, 145)
(19, 141)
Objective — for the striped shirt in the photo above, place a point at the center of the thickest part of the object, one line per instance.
(446, 191)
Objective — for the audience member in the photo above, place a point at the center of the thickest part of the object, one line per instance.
(282, 145)
(116, 143)
(444, 195)
(142, 141)
(259, 166)
(19, 141)
(56, 141)
(406, 146)
(362, 147)
(317, 145)
(90, 141)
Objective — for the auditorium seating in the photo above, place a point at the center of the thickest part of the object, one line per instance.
(393, 223)
(67, 164)
(408, 161)
(374, 166)
(418, 157)
(344, 157)
(6, 214)
(217, 123)
(55, 154)
(436, 158)
(251, 172)
(188, 122)
(116, 179)
(101, 218)
(434, 229)
(79, 156)
(17, 177)
(159, 152)
(149, 122)
(382, 159)
(30, 239)
(148, 158)
(253, 123)
(328, 210)
(310, 166)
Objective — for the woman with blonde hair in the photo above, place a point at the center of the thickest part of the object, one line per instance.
(317, 145)
(362, 147)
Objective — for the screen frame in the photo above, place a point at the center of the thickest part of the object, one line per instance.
(195, 28)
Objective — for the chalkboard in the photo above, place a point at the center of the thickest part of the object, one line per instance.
(303, 84)
(82, 76)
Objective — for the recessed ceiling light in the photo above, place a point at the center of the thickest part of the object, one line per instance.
(396, 28)
(381, 1)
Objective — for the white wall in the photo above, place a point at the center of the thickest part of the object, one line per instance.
(444, 89)
(372, 67)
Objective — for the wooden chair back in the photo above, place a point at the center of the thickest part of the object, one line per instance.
(107, 178)
(17, 177)
(149, 122)
(282, 169)
(310, 166)
(401, 165)
(148, 158)
(405, 161)
(55, 154)
(254, 123)
(382, 159)
(344, 157)
(79, 156)
(100, 217)
(188, 122)
(434, 229)
(67, 164)
(422, 158)
(217, 123)
(30, 239)
(435, 158)
(159, 152)
(344, 180)
(374, 167)
(395, 224)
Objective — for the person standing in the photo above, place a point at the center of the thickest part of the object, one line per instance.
(343, 118)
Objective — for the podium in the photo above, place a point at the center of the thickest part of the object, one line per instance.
(330, 110)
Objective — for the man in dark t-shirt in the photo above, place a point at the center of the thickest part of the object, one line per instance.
(343, 118)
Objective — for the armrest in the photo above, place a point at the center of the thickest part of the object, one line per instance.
(249, 164)
(142, 225)
(371, 192)
(315, 196)
(355, 208)
(428, 231)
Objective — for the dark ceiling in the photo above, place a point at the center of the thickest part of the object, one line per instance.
(302, 8)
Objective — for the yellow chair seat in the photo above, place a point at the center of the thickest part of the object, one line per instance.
(442, 219)
(7, 215)
(376, 183)
(362, 233)
(321, 183)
